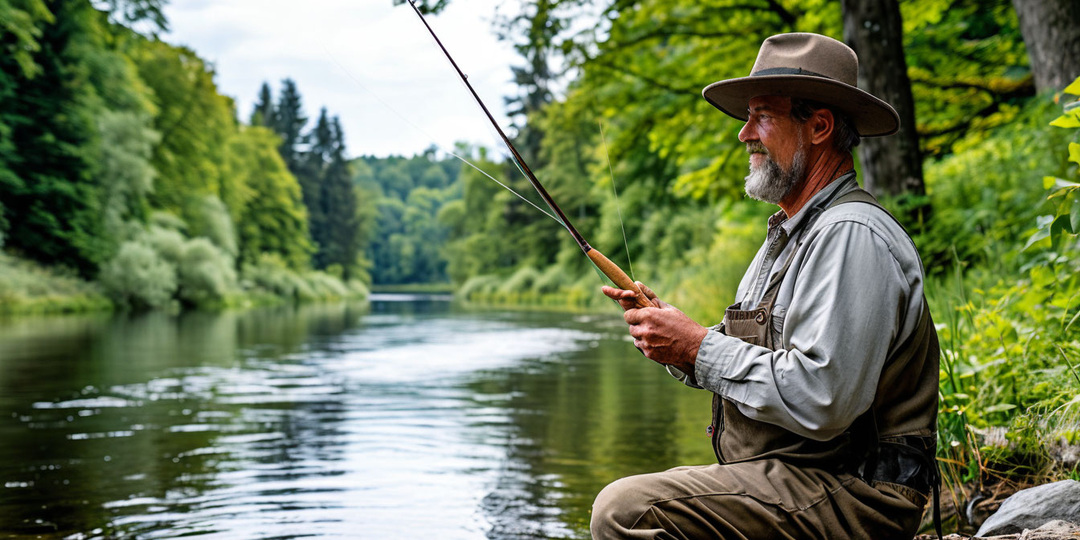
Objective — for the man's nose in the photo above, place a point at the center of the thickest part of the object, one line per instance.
(746, 133)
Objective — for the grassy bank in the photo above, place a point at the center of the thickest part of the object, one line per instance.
(27, 287)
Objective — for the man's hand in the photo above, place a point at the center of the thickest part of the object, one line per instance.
(663, 334)
(627, 298)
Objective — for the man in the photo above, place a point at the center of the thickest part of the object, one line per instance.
(825, 371)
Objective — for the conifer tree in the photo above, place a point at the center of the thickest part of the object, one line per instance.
(310, 173)
(289, 122)
(264, 114)
(340, 233)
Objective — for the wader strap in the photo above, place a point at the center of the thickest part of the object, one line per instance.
(937, 503)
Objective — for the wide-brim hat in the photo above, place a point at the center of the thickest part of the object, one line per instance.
(808, 66)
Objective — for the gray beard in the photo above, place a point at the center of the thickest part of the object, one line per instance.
(770, 183)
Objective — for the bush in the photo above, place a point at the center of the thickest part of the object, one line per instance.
(477, 286)
(136, 277)
(271, 275)
(325, 286)
(169, 244)
(209, 218)
(206, 274)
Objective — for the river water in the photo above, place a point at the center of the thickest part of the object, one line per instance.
(408, 417)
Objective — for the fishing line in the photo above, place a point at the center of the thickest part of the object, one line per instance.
(428, 135)
(618, 207)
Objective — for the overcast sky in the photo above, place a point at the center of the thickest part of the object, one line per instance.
(367, 61)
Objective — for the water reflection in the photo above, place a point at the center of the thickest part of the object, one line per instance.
(405, 418)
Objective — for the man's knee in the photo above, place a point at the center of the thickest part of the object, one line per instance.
(619, 506)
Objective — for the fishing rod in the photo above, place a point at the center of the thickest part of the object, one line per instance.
(610, 269)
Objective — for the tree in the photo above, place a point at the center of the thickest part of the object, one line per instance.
(890, 165)
(48, 138)
(195, 123)
(1051, 30)
(274, 220)
(289, 122)
(340, 237)
(264, 114)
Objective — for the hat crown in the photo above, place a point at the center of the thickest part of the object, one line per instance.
(807, 54)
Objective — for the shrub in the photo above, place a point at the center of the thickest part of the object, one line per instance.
(209, 218)
(136, 277)
(206, 274)
(169, 244)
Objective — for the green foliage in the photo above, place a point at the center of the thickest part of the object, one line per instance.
(1064, 223)
(195, 123)
(206, 274)
(125, 172)
(119, 157)
(210, 219)
(272, 275)
(28, 287)
(21, 22)
(273, 219)
(407, 207)
(138, 278)
(968, 68)
(986, 196)
(48, 137)
(1009, 308)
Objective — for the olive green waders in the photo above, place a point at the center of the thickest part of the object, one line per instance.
(869, 482)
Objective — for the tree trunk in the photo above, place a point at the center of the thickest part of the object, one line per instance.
(890, 165)
(1051, 30)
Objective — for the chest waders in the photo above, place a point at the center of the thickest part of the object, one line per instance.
(893, 442)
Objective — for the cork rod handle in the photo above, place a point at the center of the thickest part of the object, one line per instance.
(616, 275)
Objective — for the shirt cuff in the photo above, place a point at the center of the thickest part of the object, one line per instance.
(714, 355)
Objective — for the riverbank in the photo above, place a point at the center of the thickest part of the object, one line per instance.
(28, 288)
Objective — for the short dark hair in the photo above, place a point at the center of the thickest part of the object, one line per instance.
(845, 136)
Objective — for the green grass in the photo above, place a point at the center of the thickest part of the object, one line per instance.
(29, 288)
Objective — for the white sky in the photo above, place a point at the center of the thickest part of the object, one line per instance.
(369, 62)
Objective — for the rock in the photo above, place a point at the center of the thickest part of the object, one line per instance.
(1034, 507)
(1054, 530)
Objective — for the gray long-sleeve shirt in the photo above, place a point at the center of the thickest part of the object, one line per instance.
(853, 293)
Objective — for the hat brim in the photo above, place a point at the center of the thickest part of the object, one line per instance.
(872, 116)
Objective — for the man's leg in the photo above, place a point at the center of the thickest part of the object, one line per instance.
(759, 500)
(687, 502)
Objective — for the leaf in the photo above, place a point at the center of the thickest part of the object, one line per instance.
(1071, 119)
(1000, 407)
(1074, 152)
(1073, 202)
(1073, 88)
(1061, 224)
(1043, 223)
(1058, 184)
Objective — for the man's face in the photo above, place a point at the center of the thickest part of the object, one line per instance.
(777, 149)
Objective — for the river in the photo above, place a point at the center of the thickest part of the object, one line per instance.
(408, 417)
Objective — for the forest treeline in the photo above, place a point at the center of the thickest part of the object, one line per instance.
(122, 163)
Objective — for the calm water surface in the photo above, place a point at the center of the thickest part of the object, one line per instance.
(405, 418)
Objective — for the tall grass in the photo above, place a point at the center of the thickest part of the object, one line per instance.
(26, 287)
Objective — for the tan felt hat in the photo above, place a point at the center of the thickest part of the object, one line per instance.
(808, 66)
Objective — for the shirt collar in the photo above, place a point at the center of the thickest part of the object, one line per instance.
(818, 203)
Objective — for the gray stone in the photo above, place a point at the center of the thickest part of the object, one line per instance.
(1034, 507)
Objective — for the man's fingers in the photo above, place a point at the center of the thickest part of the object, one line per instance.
(645, 289)
(617, 294)
(634, 317)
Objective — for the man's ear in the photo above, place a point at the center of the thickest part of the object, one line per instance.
(822, 123)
